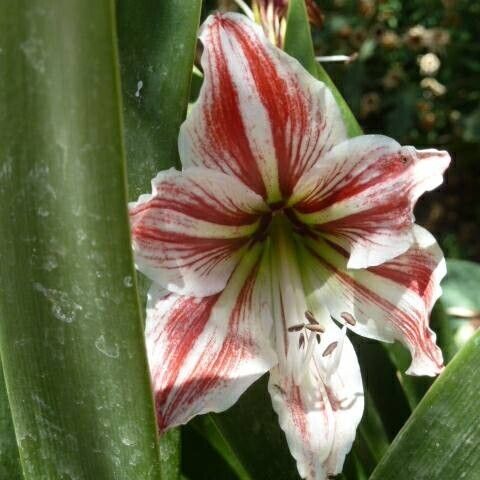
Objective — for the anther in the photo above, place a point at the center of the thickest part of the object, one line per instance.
(315, 328)
(317, 336)
(330, 349)
(348, 318)
(301, 341)
(296, 328)
(311, 318)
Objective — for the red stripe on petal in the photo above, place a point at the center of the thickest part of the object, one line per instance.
(197, 360)
(260, 116)
(186, 322)
(342, 183)
(200, 204)
(408, 317)
(361, 225)
(413, 271)
(363, 193)
(224, 143)
(288, 105)
(188, 234)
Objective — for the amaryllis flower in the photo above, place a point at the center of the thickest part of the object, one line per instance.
(272, 14)
(278, 236)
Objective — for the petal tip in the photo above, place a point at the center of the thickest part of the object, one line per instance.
(427, 363)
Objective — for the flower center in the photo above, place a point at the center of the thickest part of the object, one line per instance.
(280, 212)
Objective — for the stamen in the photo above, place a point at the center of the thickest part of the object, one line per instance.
(311, 318)
(317, 336)
(296, 328)
(304, 367)
(330, 349)
(315, 328)
(348, 318)
(301, 341)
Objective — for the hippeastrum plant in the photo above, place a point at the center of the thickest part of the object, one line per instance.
(278, 236)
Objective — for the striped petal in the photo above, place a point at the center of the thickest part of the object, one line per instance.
(190, 233)
(320, 414)
(389, 302)
(260, 116)
(362, 193)
(316, 388)
(205, 352)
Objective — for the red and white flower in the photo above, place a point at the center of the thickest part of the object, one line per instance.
(277, 236)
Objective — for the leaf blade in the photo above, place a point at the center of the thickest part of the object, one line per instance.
(9, 459)
(156, 75)
(157, 46)
(448, 416)
(71, 337)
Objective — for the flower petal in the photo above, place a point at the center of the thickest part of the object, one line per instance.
(389, 302)
(189, 234)
(361, 196)
(320, 415)
(205, 352)
(260, 115)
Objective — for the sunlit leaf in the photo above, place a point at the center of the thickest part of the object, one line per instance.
(440, 440)
(9, 460)
(157, 44)
(71, 337)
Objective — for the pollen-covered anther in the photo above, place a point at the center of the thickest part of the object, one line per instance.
(330, 349)
(296, 328)
(311, 317)
(348, 318)
(315, 328)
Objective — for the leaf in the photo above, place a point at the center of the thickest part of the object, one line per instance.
(71, 337)
(459, 304)
(440, 440)
(9, 459)
(157, 45)
(460, 287)
(200, 458)
(298, 44)
(253, 435)
(208, 428)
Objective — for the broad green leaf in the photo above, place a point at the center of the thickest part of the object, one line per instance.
(384, 390)
(9, 459)
(440, 440)
(209, 429)
(460, 303)
(253, 435)
(157, 44)
(460, 287)
(298, 44)
(71, 336)
(201, 460)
